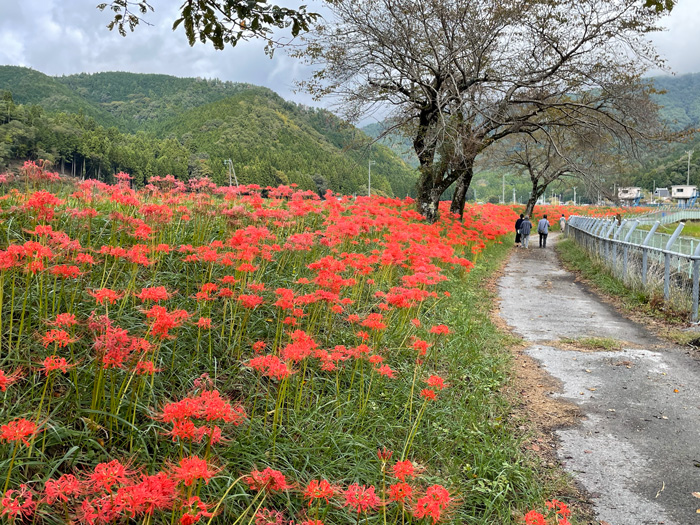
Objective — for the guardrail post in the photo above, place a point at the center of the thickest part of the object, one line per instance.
(696, 282)
(607, 241)
(625, 249)
(645, 252)
(667, 261)
(614, 246)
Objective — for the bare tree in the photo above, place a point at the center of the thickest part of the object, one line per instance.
(461, 75)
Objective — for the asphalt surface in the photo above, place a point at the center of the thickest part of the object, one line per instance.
(637, 450)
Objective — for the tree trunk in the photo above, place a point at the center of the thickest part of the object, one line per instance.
(463, 182)
(428, 201)
(537, 192)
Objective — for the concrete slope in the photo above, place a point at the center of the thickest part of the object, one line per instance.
(637, 451)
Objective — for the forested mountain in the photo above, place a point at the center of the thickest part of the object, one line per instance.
(96, 125)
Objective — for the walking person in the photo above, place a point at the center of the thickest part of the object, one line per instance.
(517, 230)
(562, 223)
(525, 229)
(543, 230)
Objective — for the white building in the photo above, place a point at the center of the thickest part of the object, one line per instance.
(684, 193)
(630, 195)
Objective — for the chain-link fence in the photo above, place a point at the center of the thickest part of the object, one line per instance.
(654, 262)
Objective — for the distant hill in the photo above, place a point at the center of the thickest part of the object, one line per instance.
(32, 87)
(680, 99)
(97, 124)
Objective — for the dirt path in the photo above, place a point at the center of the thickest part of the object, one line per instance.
(637, 450)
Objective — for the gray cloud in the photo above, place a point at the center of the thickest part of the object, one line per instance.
(65, 37)
(69, 36)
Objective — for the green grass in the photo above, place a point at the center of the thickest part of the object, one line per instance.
(691, 228)
(477, 440)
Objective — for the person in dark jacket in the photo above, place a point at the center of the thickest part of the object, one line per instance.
(517, 230)
(525, 229)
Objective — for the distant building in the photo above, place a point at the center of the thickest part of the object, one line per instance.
(630, 196)
(662, 193)
(684, 194)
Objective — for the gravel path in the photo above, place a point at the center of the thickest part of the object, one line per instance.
(637, 451)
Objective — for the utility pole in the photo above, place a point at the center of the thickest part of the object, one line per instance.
(503, 190)
(231, 170)
(514, 199)
(687, 179)
(369, 177)
(574, 195)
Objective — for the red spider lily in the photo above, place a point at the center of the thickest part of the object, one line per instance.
(64, 320)
(436, 382)
(65, 271)
(7, 379)
(259, 346)
(311, 522)
(361, 498)
(270, 366)
(106, 476)
(268, 479)
(204, 323)
(55, 336)
(17, 504)
(400, 492)
(155, 294)
(317, 490)
(250, 301)
(146, 368)
(105, 294)
(62, 489)
(374, 322)
(403, 469)
(440, 329)
(194, 509)
(384, 454)
(428, 394)
(192, 469)
(436, 500)
(534, 518)
(54, 362)
(266, 516)
(559, 507)
(208, 406)
(18, 430)
(386, 371)
(163, 321)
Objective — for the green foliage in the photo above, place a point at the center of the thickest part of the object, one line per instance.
(149, 125)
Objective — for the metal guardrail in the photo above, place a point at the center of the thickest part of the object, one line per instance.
(669, 216)
(643, 259)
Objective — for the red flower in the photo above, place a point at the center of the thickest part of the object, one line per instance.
(440, 329)
(361, 498)
(427, 393)
(402, 469)
(18, 430)
(60, 337)
(61, 489)
(64, 320)
(317, 490)
(268, 479)
(534, 518)
(204, 323)
(156, 294)
(106, 475)
(194, 509)
(433, 503)
(17, 504)
(191, 469)
(400, 492)
(105, 294)
(436, 382)
(6, 380)
(55, 363)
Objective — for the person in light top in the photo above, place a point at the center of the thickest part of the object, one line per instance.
(543, 230)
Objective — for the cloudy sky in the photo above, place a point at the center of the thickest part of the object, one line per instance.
(60, 37)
